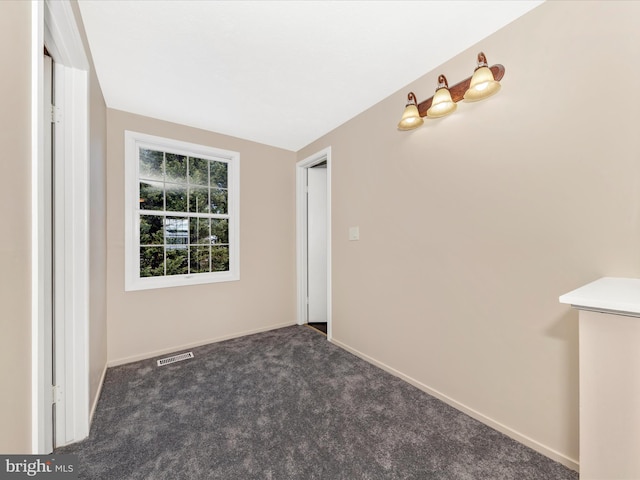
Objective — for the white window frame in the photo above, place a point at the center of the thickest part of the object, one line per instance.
(135, 140)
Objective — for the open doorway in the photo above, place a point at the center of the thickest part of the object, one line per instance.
(313, 230)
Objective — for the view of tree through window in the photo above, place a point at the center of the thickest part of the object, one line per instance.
(184, 217)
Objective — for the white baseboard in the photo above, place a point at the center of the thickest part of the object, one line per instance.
(155, 353)
(94, 404)
(529, 442)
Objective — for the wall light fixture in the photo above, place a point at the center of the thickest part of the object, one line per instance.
(411, 117)
(483, 84)
(442, 103)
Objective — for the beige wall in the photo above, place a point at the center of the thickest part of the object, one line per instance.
(97, 226)
(15, 245)
(472, 226)
(142, 323)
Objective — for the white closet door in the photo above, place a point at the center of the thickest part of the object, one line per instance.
(317, 246)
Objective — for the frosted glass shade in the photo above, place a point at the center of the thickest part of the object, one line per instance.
(410, 118)
(442, 104)
(482, 85)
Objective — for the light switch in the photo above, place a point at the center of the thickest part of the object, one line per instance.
(354, 233)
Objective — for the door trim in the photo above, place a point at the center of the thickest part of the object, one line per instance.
(301, 235)
(53, 22)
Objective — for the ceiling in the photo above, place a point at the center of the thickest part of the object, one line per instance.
(282, 73)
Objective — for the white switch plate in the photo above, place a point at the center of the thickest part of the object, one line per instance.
(354, 233)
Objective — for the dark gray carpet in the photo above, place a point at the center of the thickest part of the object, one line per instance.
(287, 404)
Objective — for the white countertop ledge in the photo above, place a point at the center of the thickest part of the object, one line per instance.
(609, 295)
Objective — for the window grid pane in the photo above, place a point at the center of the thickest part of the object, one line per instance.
(184, 218)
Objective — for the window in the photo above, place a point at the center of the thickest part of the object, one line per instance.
(181, 213)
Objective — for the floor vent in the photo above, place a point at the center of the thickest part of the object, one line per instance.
(175, 358)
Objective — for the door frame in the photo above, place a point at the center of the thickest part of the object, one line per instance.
(53, 23)
(301, 235)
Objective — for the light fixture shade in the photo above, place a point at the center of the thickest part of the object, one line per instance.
(411, 117)
(442, 103)
(482, 85)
